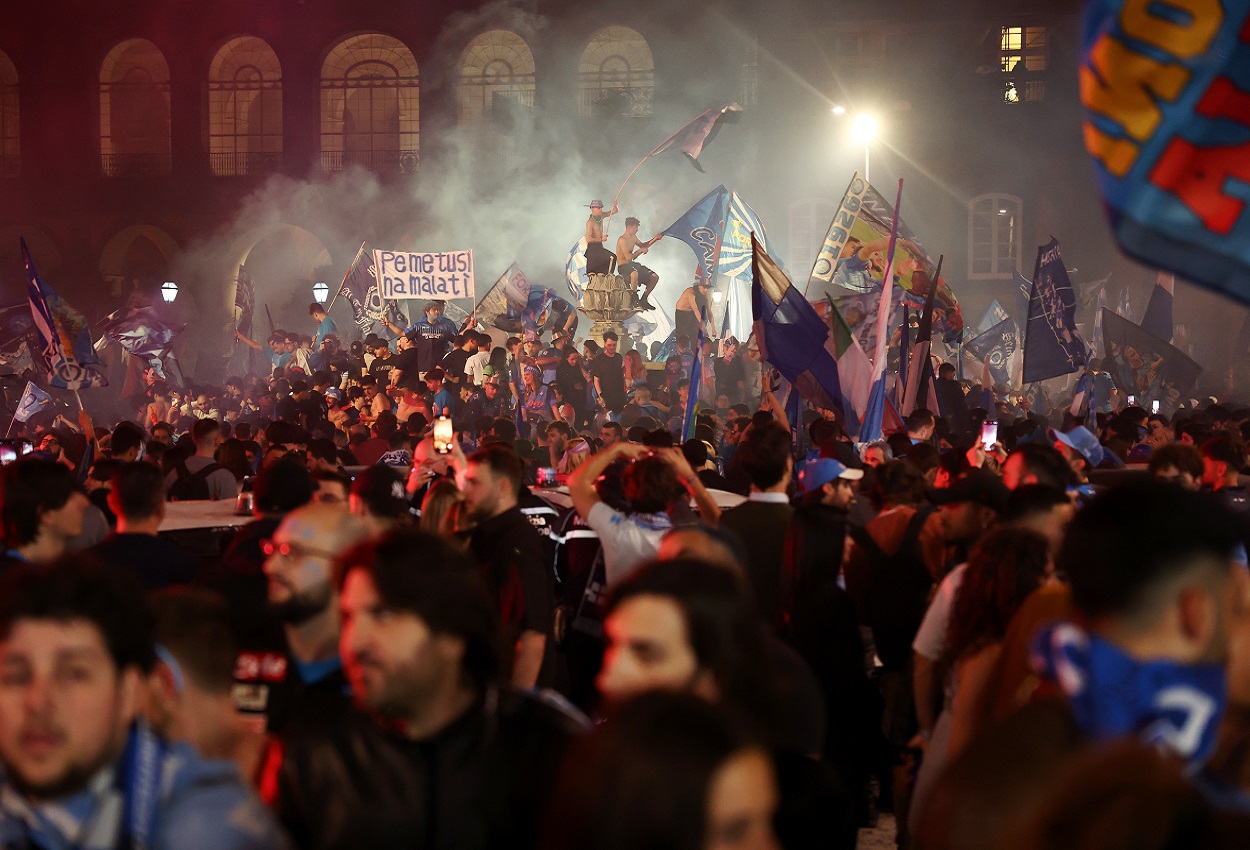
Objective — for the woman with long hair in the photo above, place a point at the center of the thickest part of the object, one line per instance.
(436, 507)
(1006, 566)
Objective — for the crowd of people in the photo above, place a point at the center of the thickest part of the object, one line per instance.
(575, 619)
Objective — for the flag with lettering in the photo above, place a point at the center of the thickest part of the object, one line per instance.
(735, 248)
(1052, 346)
(360, 288)
(64, 337)
(33, 401)
(995, 347)
(702, 228)
(1166, 92)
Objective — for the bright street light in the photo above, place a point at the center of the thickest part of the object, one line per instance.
(864, 128)
(839, 110)
(169, 291)
(321, 291)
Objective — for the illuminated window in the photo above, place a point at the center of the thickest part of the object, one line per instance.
(1022, 54)
(497, 71)
(245, 108)
(369, 105)
(616, 76)
(995, 237)
(10, 136)
(809, 222)
(134, 110)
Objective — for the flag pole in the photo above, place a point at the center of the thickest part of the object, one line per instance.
(351, 266)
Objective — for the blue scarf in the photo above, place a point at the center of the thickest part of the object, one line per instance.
(1162, 703)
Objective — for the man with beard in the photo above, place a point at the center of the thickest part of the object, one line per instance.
(509, 551)
(299, 666)
(446, 755)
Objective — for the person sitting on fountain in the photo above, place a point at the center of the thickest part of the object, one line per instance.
(598, 258)
(628, 250)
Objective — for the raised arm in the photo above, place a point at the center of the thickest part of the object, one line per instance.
(582, 481)
(252, 344)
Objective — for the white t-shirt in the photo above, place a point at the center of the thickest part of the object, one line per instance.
(627, 539)
(475, 367)
(931, 638)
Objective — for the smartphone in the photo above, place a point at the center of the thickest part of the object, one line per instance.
(443, 435)
(25, 447)
(8, 452)
(1132, 399)
(1154, 406)
(989, 435)
(548, 477)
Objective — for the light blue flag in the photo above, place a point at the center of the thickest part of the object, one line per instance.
(575, 269)
(735, 249)
(702, 228)
(33, 401)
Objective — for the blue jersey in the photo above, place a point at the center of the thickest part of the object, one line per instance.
(324, 329)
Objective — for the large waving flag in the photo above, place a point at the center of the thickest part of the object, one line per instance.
(702, 228)
(1052, 346)
(140, 331)
(360, 288)
(920, 375)
(1164, 89)
(735, 248)
(995, 348)
(505, 300)
(33, 401)
(692, 138)
(1157, 320)
(875, 415)
(1144, 366)
(794, 339)
(64, 337)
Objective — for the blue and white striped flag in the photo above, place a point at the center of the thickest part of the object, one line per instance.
(64, 337)
(33, 401)
(735, 249)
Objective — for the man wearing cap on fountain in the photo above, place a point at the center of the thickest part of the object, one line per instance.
(598, 258)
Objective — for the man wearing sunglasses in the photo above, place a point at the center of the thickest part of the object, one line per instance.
(297, 667)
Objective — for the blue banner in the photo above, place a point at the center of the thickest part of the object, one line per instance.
(1166, 91)
(995, 347)
(702, 228)
(1052, 346)
(33, 401)
(63, 335)
(1146, 367)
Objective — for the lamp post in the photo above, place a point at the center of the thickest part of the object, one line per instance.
(321, 292)
(169, 291)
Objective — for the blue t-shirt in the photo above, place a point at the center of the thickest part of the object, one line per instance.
(324, 329)
(442, 400)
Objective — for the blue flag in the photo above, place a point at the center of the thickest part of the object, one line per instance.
(575, 269)
(702, 228)
(64, 338)
(795, 340)
(995, 347)
(140, 331)
(1166, 123)
(994, 314)
(696, 377)
(735, 249)
(33, 401)
(360, 288)
(1052, 346)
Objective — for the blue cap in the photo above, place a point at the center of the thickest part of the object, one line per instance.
(815, 474)
(1081, 440)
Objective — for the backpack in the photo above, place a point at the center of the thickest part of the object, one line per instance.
(192, 486)
(895, 592)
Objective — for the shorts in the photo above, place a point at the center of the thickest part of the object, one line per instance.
(644, 273)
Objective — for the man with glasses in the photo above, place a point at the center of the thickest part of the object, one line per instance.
(297, 666)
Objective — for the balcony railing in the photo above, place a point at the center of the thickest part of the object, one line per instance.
(243, 163)
(381, 161)
(136, 164)
(608, 101)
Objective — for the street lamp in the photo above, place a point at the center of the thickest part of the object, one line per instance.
(320, 291)
(864, 129)
(169, 291)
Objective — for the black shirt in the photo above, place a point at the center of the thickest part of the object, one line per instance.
(155, 561)
(381, 369)
(453, 363)
(407, 361)
(511, 551)
(611, 374)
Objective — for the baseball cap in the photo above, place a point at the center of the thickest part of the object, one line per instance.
(1081, 440)
(818, 472)
(976, 485)
(374, 341)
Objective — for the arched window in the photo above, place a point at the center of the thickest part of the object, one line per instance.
(10, 135)
(134, 110)
(369, 102)
(995, 237)
(497, 71)
(809, 222)
(616, 77)
(245, 108)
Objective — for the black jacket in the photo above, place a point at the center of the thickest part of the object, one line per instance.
(345, 782)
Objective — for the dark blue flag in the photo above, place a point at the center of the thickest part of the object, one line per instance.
(702, 228)
(1146, 367)
(140, 331)
(995, 347)
(360, 288)
(1052, 346)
